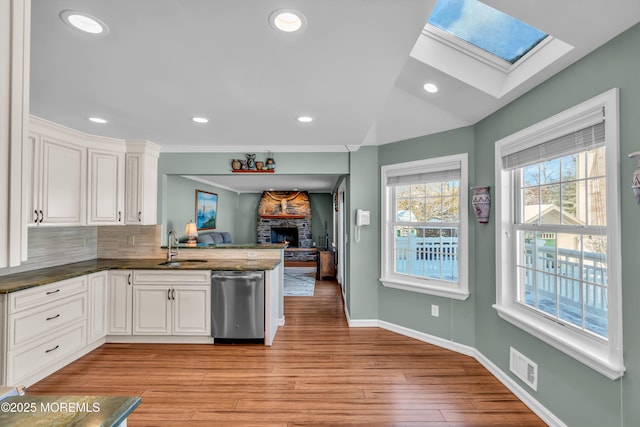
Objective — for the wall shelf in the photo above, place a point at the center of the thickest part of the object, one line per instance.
(252, 171)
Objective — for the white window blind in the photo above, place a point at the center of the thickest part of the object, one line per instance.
(574, 142)
(445, 172)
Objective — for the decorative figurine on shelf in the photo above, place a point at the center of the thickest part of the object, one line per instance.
(259, 165)
(251, 161)
(243, 165)
(235, 164)
(271, 164)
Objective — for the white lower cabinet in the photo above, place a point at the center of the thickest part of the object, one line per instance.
(98, 287)
(120, 302)
(152, 310)
(46, 329)
(172, 303)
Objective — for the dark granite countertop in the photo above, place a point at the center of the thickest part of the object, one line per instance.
(230, 246)
(43, 276)
(45, 411)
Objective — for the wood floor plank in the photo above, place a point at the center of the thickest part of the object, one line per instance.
(319, 372)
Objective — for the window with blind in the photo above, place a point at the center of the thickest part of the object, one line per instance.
(424, 237)
(558, 233)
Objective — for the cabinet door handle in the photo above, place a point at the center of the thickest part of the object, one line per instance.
(119, 216)
(173, 294)
(41, 217)
(169, 294)
(129, 279)
(53, 292)
(139, 216)
(51, 349)
(37, 216)
(53, 317)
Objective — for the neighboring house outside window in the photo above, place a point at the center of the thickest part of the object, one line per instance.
(424, 221)
(558, 233)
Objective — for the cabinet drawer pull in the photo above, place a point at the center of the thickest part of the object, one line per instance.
(53, 292)
(51, 349)
(53, 317)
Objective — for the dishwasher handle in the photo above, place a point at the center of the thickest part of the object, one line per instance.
(239, 275)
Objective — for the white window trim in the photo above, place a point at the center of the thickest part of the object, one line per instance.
(604, 356)
(389, 278)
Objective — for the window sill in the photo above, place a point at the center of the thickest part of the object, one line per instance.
(440, 291)
(589, 351)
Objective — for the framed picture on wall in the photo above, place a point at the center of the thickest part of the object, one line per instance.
(206, 210)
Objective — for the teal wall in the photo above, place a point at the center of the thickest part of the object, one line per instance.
(321, 214)
(237, 212)
(363, 258)
(413, 310)
(575, 393)
(181, 205)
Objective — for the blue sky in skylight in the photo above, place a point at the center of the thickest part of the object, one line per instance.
(486, 27)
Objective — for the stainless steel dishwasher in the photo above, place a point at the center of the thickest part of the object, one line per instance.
(237, 305)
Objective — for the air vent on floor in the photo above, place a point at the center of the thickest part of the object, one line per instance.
(524, 368)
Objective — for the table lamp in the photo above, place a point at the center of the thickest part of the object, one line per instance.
(192, 233)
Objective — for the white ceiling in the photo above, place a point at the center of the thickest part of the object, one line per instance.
(358, 68)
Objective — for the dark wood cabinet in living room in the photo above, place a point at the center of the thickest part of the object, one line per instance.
(326, 265)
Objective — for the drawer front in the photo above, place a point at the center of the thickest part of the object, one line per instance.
(182, 277)
(39, 322)
(39, 295)
(31, 359)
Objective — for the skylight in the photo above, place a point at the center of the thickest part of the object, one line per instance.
(486, 28)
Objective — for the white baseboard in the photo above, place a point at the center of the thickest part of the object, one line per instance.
(522, 394)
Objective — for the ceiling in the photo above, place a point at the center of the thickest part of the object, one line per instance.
(357, 68)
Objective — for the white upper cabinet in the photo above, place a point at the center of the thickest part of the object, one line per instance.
(106, 187)
(58, 184)
(141, 183)
(80, 179)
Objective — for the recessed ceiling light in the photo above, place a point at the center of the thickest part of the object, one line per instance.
(287, 20)
(304, 119)
(84, 22)
(199, 120)
(430, 87)
(98, 120)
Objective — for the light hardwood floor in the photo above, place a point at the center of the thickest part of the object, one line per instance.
(318, 372)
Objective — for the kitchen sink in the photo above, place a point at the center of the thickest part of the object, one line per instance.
(182, 262)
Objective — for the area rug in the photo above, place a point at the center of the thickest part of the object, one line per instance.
(299, 281)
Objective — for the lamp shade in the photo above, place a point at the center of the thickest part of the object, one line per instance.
(192, 230)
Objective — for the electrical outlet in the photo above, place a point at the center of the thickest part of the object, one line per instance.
(435, 310)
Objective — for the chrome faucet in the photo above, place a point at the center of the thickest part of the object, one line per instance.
(172, 239)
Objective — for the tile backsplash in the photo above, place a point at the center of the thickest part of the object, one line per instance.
(130, 241)
(51, 246)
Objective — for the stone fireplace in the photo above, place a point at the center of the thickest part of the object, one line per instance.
(286, 215)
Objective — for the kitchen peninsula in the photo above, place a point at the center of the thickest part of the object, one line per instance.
(52, 316)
